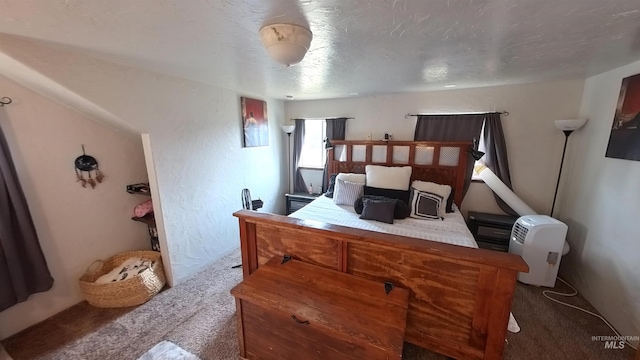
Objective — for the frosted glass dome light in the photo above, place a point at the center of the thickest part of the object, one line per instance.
(286, 43)
(288, 128)
(570, 124)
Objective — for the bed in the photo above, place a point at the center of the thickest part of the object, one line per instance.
(460, 296)
(451, 230)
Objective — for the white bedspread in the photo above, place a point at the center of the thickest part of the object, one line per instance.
(452, 230)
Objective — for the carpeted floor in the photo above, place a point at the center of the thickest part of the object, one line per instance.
(199, 316)
(3, 354)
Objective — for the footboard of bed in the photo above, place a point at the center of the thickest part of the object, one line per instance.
(460, 298)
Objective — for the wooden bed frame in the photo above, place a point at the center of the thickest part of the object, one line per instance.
(460, 298)
(433, 170)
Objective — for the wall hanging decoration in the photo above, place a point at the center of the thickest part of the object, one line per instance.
(87, 164)
(255, 123)
(624, 141)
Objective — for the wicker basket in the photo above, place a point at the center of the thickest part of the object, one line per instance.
(130, 292)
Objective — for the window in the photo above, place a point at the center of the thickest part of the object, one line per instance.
(313, 152)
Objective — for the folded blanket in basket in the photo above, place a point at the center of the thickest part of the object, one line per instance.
(128, 269)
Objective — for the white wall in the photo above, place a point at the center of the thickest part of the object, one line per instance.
(533, 143)
(76, 225)
(196, 142)
(599, 202)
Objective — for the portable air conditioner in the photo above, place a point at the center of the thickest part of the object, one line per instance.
(539, 239)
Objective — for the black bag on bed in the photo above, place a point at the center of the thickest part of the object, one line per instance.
(331, 187)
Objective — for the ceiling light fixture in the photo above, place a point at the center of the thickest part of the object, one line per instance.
(450, 86)
(286, 43)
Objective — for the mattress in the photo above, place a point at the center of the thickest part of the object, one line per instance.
(451, 230)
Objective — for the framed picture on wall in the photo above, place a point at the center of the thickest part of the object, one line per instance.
(255, 123)
(624, 141)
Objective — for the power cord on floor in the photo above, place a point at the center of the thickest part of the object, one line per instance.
(574, 293)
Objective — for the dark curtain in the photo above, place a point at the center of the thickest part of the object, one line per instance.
(336, 129)
(463, 127)
(298, 140)
(23, 268)
(496, 154)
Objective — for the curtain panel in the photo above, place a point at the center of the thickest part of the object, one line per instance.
(463, 127)
(495, 157)
(23, 268)
(336, 129)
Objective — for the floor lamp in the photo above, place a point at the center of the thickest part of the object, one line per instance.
(288, 129)
(567, 126)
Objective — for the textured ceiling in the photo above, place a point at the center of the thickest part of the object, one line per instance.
(364, 47)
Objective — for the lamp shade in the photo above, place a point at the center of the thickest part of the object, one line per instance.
(570, 124)
(286, 43)
(288, 128)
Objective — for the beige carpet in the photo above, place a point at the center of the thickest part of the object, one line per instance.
(3, 354)
(199, 316)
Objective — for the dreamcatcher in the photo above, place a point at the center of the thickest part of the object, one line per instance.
(87, 163)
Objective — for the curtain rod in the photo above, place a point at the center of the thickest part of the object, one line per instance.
(505, 113)
(5, 101)
(332, 118)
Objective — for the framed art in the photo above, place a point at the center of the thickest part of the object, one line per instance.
(255, 123)
(624, 141)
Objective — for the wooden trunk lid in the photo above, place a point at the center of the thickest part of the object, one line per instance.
(358, 310)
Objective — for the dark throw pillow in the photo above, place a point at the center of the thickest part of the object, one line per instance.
(390, 193)
(331, 187)
(401, 211)
(378, 210)
(425, 205)
(452, 197)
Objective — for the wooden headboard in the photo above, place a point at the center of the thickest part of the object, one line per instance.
(439, 162)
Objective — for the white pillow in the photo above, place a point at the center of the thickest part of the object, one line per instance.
(352, 177)
(388, 177)
(347, 193)
(442, 190)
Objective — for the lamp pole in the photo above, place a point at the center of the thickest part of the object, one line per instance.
(564, 150)
(567, 126)
(288, 129)
(289, 162)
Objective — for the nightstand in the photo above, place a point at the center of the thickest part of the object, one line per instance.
(297, 201)
(491, 231)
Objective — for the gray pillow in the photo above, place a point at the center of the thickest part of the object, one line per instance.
(379, 210)
(402, 210)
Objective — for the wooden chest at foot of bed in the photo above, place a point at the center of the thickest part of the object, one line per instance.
(295, 310)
